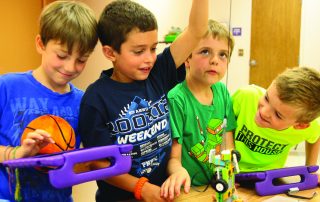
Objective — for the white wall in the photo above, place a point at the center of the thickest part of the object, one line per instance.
(310, 34)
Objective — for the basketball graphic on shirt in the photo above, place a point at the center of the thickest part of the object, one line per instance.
(61, 132)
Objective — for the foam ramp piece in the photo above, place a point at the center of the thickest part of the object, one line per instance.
(64, 176)
(264, 179)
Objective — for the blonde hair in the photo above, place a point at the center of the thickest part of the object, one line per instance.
(219, 31)
(300, 87)
(71, 23)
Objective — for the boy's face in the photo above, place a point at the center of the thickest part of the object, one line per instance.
(58, 65)
(137, 56)
(209, 61)
(273, 113)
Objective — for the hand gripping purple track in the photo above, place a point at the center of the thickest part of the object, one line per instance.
(264, 180)
(64, 175)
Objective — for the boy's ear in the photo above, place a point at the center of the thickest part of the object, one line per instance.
(187, 64)
(299, 126)
(109, 53)
(39, 44)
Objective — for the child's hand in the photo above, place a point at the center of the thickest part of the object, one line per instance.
(32, 144)
(172, 185)
(151, 192)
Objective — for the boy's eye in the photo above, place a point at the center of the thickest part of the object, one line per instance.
(278, 115)
(60, 56)
(82, 60)
(205, 52)
(153, 49)
(266, 98)
(223, 55)
(138, 52)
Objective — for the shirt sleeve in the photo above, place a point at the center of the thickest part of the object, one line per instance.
(236, 97)
(177, 119)
(231, 124)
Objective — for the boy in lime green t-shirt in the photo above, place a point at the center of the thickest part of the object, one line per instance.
(270, 122)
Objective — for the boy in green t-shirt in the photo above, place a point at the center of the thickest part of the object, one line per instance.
(270, 122)
(200, 113)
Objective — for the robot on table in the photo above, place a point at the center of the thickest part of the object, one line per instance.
(225, 166)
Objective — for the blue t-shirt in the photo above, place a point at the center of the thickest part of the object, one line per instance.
(22, 99)
(131, 113)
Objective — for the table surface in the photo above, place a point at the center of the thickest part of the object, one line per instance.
(248, 195)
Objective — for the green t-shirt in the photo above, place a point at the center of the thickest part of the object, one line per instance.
(264, 148)
(198, 127)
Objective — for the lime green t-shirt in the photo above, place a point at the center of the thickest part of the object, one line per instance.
(264, 148)
(199, 128)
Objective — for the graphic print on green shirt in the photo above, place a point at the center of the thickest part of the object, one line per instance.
(201, 150)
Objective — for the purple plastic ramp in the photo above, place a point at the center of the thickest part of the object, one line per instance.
(308, 180)
(252, 176)
(64, 176)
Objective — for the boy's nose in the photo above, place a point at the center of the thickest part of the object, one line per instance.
(70, 66)
(214, 60)
(150, 57)
(265, 111)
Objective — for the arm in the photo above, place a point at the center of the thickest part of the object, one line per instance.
(229, 140)
(182, 47)
(178, 174)
(30, 146)
(149, 192)
(312, 152)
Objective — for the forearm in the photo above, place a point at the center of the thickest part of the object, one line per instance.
(174, 165)
(4, 150)
(312, 153)
(126, 182)
(182, 47)
(8, 153)
(198, 19)
(229, 140)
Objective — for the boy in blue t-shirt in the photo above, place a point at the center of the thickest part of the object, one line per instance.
(66, 39)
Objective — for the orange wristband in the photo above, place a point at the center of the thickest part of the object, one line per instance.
(138, 187)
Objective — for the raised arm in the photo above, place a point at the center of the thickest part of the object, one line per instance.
(190, 37)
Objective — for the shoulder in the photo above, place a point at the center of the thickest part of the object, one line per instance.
(249, 90)
(176, 92)
(165, 53)
(165, 58)
(220, 87)
(76, 90)
(14, 76)
(98, 85)
(316, 124)
(12, 79)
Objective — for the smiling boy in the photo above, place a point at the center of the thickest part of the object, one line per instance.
(271, 122)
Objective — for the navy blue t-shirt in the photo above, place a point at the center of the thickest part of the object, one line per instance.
(131, 113)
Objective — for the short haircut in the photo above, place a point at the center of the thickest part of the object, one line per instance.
(300, 87)
(219, 31)
(119, 18)
(71, 23)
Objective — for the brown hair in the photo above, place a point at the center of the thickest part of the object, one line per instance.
(300, 87)
(219, 31)
(71, 23)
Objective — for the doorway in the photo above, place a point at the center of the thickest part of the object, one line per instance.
(275, 39)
